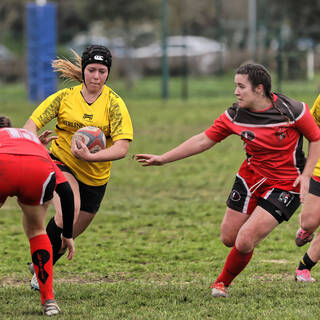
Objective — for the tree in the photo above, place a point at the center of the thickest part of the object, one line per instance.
(301, 17)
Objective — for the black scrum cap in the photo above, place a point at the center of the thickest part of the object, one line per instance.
(96, 54)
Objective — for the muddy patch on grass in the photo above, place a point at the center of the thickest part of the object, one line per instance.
(274, 277)
(15, 281)
(279, 261)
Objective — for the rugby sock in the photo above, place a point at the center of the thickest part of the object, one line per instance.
(306, 263)
(41, 253)
(235, 263)
(54, 233)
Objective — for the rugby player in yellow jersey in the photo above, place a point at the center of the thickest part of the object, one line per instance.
(310, 218)
(91, 103)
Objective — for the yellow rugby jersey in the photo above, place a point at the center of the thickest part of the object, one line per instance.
(315, 111)
(108, 112)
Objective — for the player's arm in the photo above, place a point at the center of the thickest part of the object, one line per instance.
(31, 126)
(65, 194)
(44, 136)
(190, 147)
(44, 113)
(117, 151)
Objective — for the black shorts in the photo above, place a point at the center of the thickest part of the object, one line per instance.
(277, 197)
(90, 196)
(281, 204)
(314, 187)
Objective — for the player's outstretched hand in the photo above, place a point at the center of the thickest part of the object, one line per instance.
(44, 137)
(67, 243)
(149, 160)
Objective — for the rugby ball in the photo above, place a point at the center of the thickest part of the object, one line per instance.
(92, 137)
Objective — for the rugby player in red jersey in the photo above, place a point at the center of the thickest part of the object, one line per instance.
(28, 172)
(275, 175)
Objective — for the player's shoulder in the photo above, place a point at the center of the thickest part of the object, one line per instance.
(291, 107)
(111, 93)
(113, 97)
(72, 90)
(65, 92)
(317, 101)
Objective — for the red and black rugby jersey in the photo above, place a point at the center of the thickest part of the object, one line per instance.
(23, 142)
(272, 137)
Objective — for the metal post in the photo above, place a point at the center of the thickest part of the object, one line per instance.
(219, 33)
(279, 60)
(185, 69)
(164, 64)
(252, 16)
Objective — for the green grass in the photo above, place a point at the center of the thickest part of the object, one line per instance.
(154, 247)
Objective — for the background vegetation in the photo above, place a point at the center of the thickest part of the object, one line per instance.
(154, 248)
(211, 18)
(284, 30)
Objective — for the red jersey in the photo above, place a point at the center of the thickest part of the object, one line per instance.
(23, 142)
(272, 137)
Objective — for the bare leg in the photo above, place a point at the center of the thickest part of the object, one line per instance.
(41, 251)
(314, 249)
(254, 229)
(309, 216)
(258, 226)
(83, 221)
(33, 219)
(231, 224)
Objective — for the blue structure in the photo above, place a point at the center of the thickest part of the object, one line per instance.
(41, 50)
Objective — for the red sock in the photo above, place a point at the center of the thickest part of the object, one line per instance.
(235, 263)
(41, 253)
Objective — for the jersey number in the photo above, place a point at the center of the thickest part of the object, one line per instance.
(22, 134)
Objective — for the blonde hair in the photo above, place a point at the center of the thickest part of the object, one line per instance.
(69, 70)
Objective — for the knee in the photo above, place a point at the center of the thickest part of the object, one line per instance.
(244, 247)
(308, 223)
(227, 239)
(305, 225)
(244, 243)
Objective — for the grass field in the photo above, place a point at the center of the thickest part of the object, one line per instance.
(154, 248)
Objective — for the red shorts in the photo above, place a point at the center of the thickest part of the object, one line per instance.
(60, 177)
(30, 178)
(251, 189)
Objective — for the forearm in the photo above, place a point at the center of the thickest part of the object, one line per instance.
(190, 147)
(65, 194)
(31, 126)
(115, 152)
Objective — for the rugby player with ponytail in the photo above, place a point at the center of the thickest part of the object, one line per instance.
(274, 177)
(90, 103)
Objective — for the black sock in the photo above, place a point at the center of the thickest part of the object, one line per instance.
(54, 233)
(306, 263)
